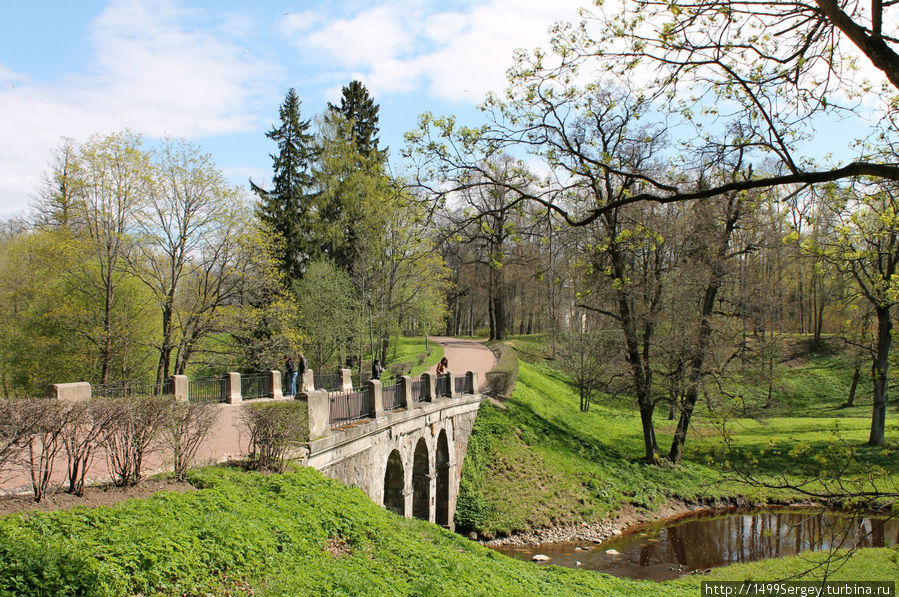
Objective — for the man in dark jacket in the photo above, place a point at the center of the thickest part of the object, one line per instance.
(291, 368)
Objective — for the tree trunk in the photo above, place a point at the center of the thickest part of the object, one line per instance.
(881, 369)
(649, 435)
(106, 352)
(165, 349)
(703, 338)
(491, 315)
(819, 326)
(850, 401)
(499, 314)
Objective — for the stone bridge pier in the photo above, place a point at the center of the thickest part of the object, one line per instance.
(409, 459)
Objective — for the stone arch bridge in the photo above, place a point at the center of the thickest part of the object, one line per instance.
(404, 448)
(403, 445)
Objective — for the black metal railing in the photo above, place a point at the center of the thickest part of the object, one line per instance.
(463, 384)
(255, 385)
(441, 385)
(392, 397)
(206, 389)
(419, 390)
(327, 381)
(123, 389)
(351, 406)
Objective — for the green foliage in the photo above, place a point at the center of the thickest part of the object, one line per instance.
(328, 312)
(353, 196)
(52, 318)
(31, 569)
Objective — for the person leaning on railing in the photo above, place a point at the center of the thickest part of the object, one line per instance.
(442, 366)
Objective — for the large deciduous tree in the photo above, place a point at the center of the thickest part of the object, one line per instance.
(115, 182)
(736, 76)
(401, 271)
(188, 235)
(865, 245)
(328, 312)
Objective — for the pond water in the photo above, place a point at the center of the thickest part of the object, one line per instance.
(675, 547)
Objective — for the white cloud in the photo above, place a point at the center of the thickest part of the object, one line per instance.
(153, 70)
(292, 23)
(453, 55)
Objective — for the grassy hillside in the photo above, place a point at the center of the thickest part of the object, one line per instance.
(539, 461)
(292, 534)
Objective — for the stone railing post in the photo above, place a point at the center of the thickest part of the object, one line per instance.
(307, 381)
(377, 397)
(450, 385)
(319, 406)
(180, 387)
(70, 391)
(274, 379)
(346, 380)
(231, 388)
(471, 378)
(405, 384)
(427, 380)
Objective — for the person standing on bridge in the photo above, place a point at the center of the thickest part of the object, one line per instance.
(442, 366)
(291, 368)
(377, 369)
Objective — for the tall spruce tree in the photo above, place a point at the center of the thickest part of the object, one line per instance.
(286, 207)
(360, 110)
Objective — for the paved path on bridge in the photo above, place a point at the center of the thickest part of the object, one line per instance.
(466, 355)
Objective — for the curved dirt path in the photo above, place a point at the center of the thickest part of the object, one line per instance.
(466, 355)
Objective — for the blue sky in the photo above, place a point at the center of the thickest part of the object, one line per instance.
(215, 72)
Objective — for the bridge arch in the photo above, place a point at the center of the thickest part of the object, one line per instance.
(442, 468)
(421, 481)
(394, 498)
(408, 459)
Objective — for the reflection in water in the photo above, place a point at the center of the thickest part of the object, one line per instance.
(711, 539)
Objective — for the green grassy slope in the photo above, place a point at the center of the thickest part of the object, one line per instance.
(540, 461)
(292, 534)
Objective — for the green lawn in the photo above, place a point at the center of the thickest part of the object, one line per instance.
(412, 349)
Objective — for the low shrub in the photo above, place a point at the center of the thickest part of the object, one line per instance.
(134, 429)
(274, 428)
(44, 421)
(85, 427)
(189, 426)
(501, 380)
(13, 432)
(397, 369)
